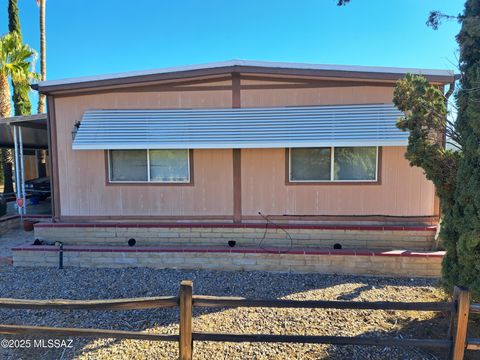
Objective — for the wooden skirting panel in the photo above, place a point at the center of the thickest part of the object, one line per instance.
(390, 263)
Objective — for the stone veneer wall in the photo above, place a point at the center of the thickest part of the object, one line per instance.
(390, 263)
(246, 235)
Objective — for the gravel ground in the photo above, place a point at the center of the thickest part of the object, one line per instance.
(119, 283)
(14, 237)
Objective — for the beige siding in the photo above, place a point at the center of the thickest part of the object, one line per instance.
(404, 190)
(317, 96)
(83, 191)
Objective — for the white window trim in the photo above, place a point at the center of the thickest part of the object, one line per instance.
(332, 169)
(148, 181)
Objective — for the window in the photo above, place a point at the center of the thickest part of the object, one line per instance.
(169, 165)
(128, 165)
(155, 166)
(333, 164)
(355, 163)
(310, 164)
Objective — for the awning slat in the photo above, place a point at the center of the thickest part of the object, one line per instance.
(350, 125)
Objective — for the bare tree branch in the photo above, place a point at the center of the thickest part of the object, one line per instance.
(436, 18)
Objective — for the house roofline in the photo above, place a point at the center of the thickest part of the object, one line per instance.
(242, 66)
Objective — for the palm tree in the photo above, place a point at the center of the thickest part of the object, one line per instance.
(43, 53)
(41, 154)
(16, 60)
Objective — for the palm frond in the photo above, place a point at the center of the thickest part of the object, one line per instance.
(17, 59)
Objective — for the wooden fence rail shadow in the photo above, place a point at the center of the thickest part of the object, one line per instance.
(456, 342)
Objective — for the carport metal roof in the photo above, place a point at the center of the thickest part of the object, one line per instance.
(352, 125)
(34, 131)
(23, 132)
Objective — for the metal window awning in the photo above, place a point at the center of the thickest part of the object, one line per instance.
(352, 125)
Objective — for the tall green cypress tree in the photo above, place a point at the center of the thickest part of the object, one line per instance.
(13, 19)
(462, 241)
(21, 101)
(456, 175)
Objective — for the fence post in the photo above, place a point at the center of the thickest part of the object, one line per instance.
(451, 326)
(462, 296)
(186, 343)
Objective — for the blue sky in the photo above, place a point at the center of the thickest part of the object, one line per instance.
(94, 37)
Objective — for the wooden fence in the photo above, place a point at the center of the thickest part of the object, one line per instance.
(456, 341)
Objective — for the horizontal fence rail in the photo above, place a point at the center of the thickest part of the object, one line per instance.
(95, 333)
(316, 339)
(473, 344)
(116, 304)
(220, 301)
(456, 341)
(475, 308)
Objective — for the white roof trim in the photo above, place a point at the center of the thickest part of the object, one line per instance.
(246, 145)
(265, 64)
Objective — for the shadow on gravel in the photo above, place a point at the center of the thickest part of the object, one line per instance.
(434, 328)
(86, 283)
(356, 293)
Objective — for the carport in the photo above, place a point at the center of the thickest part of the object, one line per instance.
(23, 133)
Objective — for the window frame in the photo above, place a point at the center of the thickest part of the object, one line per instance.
(148, 182)
(332, 181)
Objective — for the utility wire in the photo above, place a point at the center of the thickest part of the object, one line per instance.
(267, 222)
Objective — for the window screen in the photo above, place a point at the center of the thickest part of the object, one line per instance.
(355, 163)
(128, 165)
(310, 164)
(169, 165)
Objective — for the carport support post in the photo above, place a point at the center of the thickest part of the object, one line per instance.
(22, 171)
(17, 172)
(186, 341)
